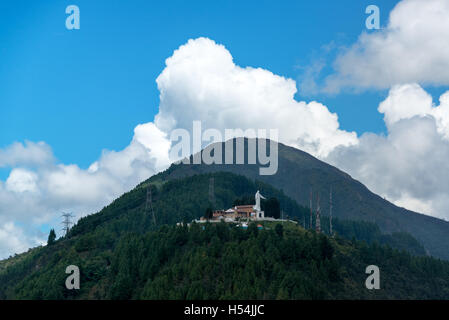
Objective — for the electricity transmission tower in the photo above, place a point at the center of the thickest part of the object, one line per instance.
(149, 203)
(67, 222)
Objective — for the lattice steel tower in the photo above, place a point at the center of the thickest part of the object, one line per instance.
(67, 222)
(318, 222)
(330, 213)
(311, 211)
(212, 192)
(149, 203)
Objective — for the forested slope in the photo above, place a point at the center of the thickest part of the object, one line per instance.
(122, 253)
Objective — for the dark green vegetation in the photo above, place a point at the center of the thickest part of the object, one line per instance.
(51, 237)
(298, 172)
(122, 253)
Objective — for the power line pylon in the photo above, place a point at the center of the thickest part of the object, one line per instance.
(318, 222)
(149, 203)
(67, 223)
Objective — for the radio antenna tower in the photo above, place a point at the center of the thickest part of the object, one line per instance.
(311, 211)
(67, 222)
(330, 213)
(149, 203)
(211, 191)
(318, 223)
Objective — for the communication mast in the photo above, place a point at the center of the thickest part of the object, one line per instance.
(149, 203)
(67, 222)
(212, 191)
(330, 213)
(318, 223)
(311, 211)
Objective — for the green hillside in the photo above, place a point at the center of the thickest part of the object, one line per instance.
(122, 253)
(299, 171)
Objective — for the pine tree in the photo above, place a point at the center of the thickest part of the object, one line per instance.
(51, 237)
(208, 214)
(279, 229)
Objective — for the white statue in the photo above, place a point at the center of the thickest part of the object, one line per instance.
(258, 196)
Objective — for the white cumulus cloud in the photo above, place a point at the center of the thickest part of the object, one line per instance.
(201, 82)
(21, 180)
(39, 188)
(413, 47)
(29, 153)
(409, 165)
(13, 240)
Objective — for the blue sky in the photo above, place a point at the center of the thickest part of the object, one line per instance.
(85, 90)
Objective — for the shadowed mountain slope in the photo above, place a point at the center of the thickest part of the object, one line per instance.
(298, 172)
